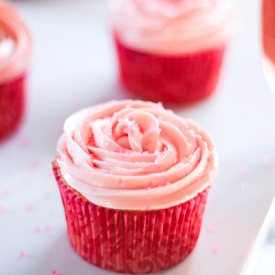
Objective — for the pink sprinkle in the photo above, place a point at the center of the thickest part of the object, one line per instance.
(4, 192)
(49, 234)
(190, 133)
(37, 229)
(126, 130)
(29, 207)
(272, 164)
(121, 183)
(117, 150)
(25, 142)
(160, 118)
(114, 136)
(106, 143)
(146, 207)
(244, 170)
(27, 181)
(160, 105)
(267, 160)
(2, 209)
(35, 165)
(150, 185)
(22, 254)
(182, 129)
(54, 272)
(48, 227)
(210, 228)
(215, 248)
(47, 195)
(161, 179)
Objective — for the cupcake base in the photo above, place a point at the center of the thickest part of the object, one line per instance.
(12, 104)
(174, 79)
(128, 241)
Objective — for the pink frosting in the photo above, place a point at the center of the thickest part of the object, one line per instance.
(15, 43)
(173, 26)
(135, 155)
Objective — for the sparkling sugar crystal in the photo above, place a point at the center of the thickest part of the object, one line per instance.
(122, 183)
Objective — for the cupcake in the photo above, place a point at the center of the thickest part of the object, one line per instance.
(171, 50)
(134, 180)
(15, 49)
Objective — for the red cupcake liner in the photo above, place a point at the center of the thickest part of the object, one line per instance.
(128, 241)
(174, 79)
(12, 104)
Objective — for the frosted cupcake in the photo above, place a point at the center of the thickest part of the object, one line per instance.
(134, 180)
(171, 50)
(15, 50)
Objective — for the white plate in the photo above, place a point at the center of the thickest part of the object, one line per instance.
(74, 67)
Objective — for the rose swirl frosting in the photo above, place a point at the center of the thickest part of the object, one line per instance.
(135, 155)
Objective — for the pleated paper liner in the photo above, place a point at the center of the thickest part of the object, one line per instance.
(131, 241)
(12, 104)
(170, 79)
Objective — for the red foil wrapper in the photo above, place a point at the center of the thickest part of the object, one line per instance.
(128, 241)
(175, 79)
(12, 104)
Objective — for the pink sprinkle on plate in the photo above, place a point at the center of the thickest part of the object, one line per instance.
(215, 248)
(2, 209)
(211, 228)
(22, 254)
(29, 207)
(37, 229)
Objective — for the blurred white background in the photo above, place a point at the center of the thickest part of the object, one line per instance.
(74, 66)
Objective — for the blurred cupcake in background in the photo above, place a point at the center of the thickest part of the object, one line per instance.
(171, 50)
(15, 50)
